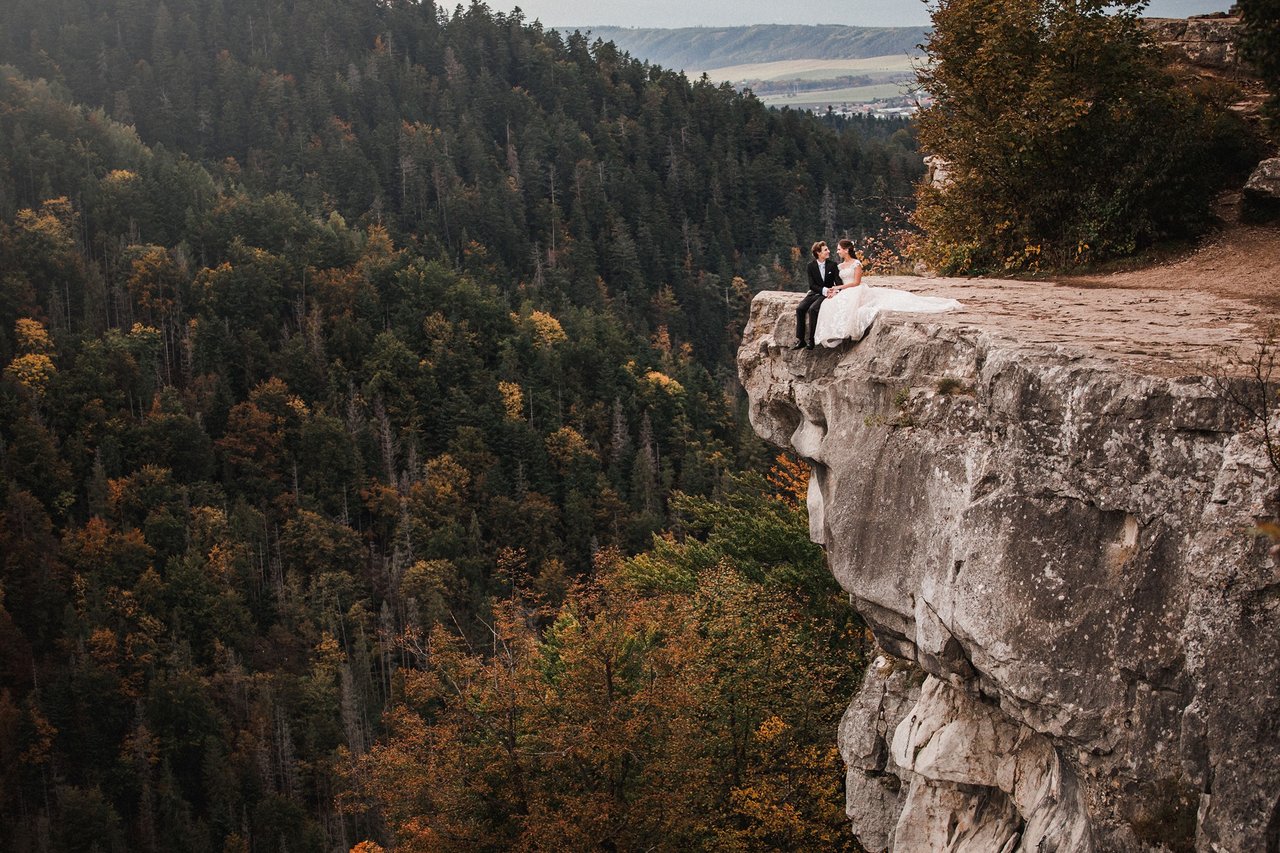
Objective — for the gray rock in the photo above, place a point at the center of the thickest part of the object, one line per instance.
(875, 787)
(1064, 545)
(1264, 184)
(1005, 785)
(1205, 43)
(938, 171)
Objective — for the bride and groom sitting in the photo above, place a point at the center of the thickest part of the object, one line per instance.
(826, 280)
(839, 307)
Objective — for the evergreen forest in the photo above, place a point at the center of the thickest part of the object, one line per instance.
(373, 468)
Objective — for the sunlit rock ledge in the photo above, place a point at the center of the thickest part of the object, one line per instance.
(1046, 519)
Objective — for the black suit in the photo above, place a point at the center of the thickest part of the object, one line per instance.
(812, 303)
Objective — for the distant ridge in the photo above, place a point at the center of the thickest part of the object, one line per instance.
(701, 48)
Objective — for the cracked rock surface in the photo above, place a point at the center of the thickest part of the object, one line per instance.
(1050, 531)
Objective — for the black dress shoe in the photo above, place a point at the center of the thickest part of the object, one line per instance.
(808, 346)
(799, 345)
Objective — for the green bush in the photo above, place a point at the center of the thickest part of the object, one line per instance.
(1066, 138)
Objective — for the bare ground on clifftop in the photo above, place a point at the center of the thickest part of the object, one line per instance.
(1175, 317)
(1240, 262)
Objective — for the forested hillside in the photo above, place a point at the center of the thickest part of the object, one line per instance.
(699, 48)
(351, 359)
(562, 159)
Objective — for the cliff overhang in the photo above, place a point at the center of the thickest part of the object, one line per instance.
(1047, 518)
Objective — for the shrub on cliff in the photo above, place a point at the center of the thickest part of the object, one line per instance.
(1067, 140)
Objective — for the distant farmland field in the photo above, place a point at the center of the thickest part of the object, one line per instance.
(779, 62)
(798, 82)
(812, 69)
(694, 48)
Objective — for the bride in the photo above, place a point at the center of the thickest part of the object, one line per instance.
(850, 307)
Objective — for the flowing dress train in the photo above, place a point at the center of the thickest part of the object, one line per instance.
(848, 314)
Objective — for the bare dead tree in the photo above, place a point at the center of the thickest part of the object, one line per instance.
(1249, 382)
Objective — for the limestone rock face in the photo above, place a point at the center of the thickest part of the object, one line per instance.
(1207, 42)
(938, 171)
(875, 787)
(1062, 542)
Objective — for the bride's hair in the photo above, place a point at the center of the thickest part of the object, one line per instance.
(847, 245)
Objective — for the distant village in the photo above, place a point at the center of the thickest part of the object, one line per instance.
(899, 107)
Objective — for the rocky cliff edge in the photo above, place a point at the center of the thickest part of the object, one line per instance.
(1047, 519)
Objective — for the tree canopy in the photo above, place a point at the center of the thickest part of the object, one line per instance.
(557, 164)
(1065, 138)
(326, 335)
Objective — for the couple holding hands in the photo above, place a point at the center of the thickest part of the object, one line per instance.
(840, 307)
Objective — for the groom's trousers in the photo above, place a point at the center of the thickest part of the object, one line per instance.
(809, 307)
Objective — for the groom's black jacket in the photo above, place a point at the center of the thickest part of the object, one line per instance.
(816, 281)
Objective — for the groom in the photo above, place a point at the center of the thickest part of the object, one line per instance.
(822, 275)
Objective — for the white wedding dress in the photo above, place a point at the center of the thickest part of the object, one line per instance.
(847, 314)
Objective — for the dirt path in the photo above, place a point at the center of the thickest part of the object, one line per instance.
(1240, 262)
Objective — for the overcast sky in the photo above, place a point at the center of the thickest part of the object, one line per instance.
(563, 14)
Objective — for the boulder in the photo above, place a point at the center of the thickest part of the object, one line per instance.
(875, 787)
(1262, 190)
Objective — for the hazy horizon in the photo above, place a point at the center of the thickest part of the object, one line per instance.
(584, 14)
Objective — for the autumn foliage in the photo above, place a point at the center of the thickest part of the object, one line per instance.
(694, 714)
(1065, 139)
(370, 437)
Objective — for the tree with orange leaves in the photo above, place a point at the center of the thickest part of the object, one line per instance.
(686, 699)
